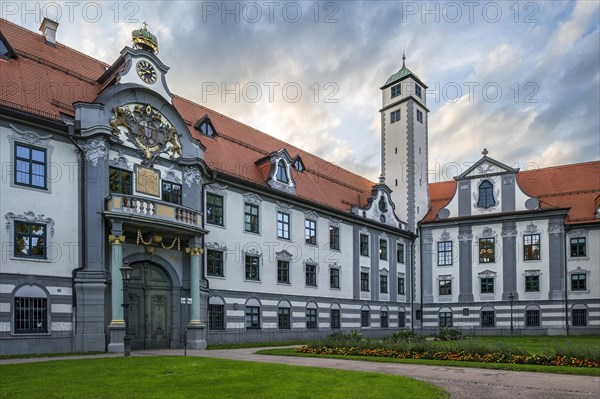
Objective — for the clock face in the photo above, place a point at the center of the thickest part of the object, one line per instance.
(146, 71)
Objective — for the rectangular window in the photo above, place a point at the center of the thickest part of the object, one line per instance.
(365, 318)
(30, 166)
(251, 218)
(252, 268)
(445, 319)
(486, 250)
(578, 282)
(311, 318)
(252, 317)
(311, 275)
(383, 284)
(532, 318)
(283, 272)
(30, 240)
(31, 315)
(310, 232)
(216, 316)
(579, 317)
(283, 225)
(334, 278)
(419, 116)
(214, 263)
(334, 237)
(401, 319)
(487, 285)
(364, 245)
(532, 283)
(488, 318)
(418, 314)
(531, 247)
(384, 319)
(214, 209)
(418, 90)
(401, 290)
(445, 253)
(394, 116)
(400, 253)
(383, 251)
(364, 281)
(284, 318)
(466, 312)
(445, 287)
(171, 192)
(577, 247)
(396, 90)
(120, 181)
(335, 318)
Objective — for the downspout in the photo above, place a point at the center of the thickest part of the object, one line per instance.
(566, 275)
(421, 275)
(82, 250)
(412, 278)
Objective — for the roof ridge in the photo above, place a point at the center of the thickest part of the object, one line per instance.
(284, 144)
(57, 43)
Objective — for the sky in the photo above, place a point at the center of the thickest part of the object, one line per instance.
(521, 79)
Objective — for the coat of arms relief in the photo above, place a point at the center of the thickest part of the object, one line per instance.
(148, 130)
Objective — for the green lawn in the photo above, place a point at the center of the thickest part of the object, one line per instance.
(254, 344)
(193, 377)
(542, 344)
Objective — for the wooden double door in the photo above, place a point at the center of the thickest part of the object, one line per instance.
(149, 296)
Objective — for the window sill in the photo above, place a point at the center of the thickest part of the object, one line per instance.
(335, 288)
(30, 259)
(335, 249)
(311, 286)
(284, 284)
(579, 292)
(219, 277)
(578, 258)
(221, 226)
(311, 244)
(532, 260)
(251, 281)
(252, 232)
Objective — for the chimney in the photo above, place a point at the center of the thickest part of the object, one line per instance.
(48, 29)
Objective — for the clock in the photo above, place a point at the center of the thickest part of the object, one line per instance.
(146, 72)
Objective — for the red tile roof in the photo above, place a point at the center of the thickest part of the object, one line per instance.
(47, 80)
(575, 186)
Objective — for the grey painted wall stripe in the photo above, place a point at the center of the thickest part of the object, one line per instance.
(509, 263)
(465, 264)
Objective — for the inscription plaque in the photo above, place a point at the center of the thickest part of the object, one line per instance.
(147, 181)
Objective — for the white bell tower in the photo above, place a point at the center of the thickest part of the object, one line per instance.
(404, 144)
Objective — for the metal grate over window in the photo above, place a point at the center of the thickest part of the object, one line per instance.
(216, 316)
(31, 315)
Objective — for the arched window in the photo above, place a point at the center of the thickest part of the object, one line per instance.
(252, 314)
(31, 310)
(365, 316)
(486, 195)
(282, 175)
(284, 315)
(445, 317)
(532, 316)
(311, 315)
(216, 313)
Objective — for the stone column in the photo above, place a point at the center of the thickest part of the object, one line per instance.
(195, 327)
(117, 323)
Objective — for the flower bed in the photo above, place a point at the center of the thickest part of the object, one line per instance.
(492, 357)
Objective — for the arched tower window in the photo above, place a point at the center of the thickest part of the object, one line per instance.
(282, 175)
(486, 195)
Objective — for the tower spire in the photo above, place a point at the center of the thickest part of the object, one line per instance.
(403, 59)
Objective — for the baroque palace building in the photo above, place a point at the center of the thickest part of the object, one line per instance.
(234, 235)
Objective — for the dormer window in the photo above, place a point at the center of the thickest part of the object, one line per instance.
(205, 126)
(282, 174)
(486, 195)
(298, 165)
(382, 204)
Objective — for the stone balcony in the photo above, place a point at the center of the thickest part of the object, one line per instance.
(153, 213)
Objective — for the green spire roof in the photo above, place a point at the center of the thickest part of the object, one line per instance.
(403, 72)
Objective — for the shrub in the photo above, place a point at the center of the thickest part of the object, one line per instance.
(449, 334)
(406, 336)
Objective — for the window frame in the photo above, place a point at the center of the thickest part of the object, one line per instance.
(283, 271)
(282, 169)
(384, 320)
(334, 237)
(533, 317)
(364, 281)
(576, 283)
(444, 319)
(383, 284)
(213, 271)
(529, 248)
(282, 223)
(578, 247)
(172, 198)
(216, 321)
(212, 207)
(364, 244)
(581, 318)
(310, 275)
(396, 90)
(445, 253)
(418, 90)
(395, 116)
(488, 318)
(400, 255)
(383, 249)
(310, 231)
(252, 317)
(531, 282)
(248, 273)
(491, 248)
(445, 284)
(489, 283)
(251, 219)
(401, 286)
(401, 319)
(284, 318)
(334, 277)
(119, 182)
(365, 318)
(312, 318)
(30, 236)
(335, 318)
(485, 197)
(419, 116)
(30, 161)
(30, 310)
